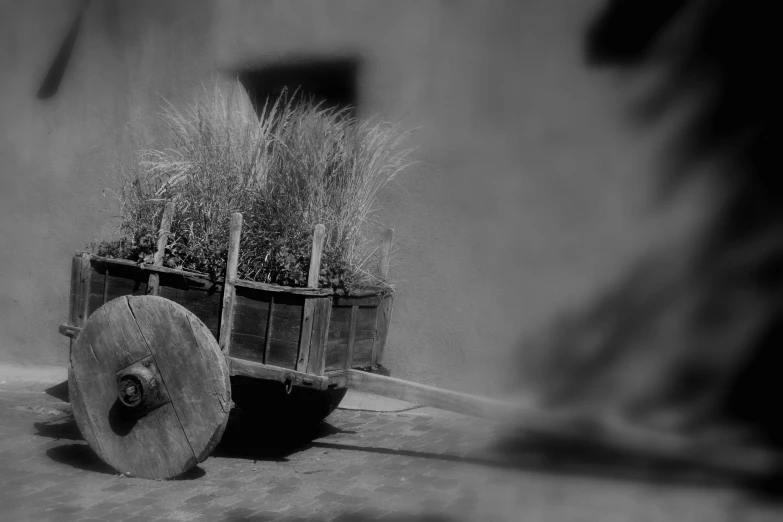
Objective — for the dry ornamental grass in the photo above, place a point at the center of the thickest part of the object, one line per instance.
(297, 165)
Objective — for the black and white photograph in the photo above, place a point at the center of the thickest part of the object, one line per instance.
(373, 260)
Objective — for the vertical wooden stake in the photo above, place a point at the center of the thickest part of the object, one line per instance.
(351, 336)
(311, 309)
(86, 280)
(227, 315)
(74, 309)
(268, 335)
(315, 259)
(153, 284)
(383, 266)
(306, 331)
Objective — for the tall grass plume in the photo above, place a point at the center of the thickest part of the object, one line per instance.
(297, 165)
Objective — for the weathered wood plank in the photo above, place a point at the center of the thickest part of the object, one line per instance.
(251, 308)
(193, 276)
(203, 302)
(362, 353)
(119, 286)
(306, 331)
(369, 300)
(366, 318)
(106, 285)
(340, 323)
(160, 250)
(142, 266)
(247, 346)
(76, 284)
(98, 288)
(322, 310)
(315, 256)
(316, 292)
(264, 371)
(336, 355)
(192, 366)
(382, 328)
(287, 322)
(153, 446)
(351, 337)
(282, 353)
(227, 318)
(426, 395)
(267, 338)
(386, 247)
(84, 294)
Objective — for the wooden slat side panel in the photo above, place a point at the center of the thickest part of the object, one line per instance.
(244, 346)
(203, 302)
(287, 321)
(98, 286)
(365, 318)
(362, 353)
(251, 348)
(336, 355)
(248, 335)
(122, 279)
(119, 286)
(282, 353)
(373, 300)
(340, 323)
(250, 311)
(366, 321)
(285, 330)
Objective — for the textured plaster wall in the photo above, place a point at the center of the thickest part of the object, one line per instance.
(57, 154)
(532, 192)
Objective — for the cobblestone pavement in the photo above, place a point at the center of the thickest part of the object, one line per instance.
(420, 465)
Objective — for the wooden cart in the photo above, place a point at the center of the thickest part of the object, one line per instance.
(153, 351)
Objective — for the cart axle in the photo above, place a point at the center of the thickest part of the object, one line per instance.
(140, 387)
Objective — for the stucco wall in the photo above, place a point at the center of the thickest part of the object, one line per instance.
(57, 154)
(532, 192)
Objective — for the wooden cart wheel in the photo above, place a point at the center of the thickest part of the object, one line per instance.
(149, 387)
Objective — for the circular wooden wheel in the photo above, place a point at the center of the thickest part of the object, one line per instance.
(149, 387)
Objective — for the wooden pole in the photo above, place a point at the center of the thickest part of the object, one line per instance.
(601, 432)
(153, 284)
(426, 395)
(311, 310)
(383, 266)
(319, 234)
(227, 316)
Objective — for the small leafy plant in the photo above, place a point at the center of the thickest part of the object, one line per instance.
(297, 165)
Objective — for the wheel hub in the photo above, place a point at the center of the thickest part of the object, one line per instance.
(140, 387)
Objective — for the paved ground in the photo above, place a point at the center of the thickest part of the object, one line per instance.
(420, 465)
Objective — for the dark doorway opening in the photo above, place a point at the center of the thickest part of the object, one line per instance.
(331, 82)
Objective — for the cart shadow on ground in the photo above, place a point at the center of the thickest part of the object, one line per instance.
(273, 437)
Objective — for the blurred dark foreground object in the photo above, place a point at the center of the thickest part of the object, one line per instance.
(688, 342)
